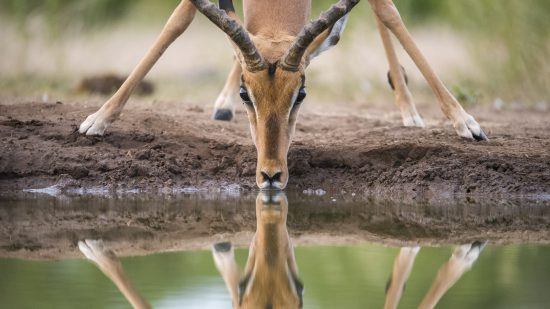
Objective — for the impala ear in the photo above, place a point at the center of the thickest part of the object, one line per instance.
(326, 39)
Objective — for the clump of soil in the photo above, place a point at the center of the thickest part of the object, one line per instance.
(108, 83)
(152, 151)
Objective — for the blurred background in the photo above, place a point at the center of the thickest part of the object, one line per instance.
(489, 52)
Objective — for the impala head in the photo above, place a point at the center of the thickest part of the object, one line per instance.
(270, 278)
(273, 79)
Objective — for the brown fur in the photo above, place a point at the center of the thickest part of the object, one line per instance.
(281, 21)
(271, 277)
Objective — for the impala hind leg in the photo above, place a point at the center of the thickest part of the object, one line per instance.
(465, 125)
(224, 109)
(398, 81)
(178, 22)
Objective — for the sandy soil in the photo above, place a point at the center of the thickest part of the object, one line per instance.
(153, 151)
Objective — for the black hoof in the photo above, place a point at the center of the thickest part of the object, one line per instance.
(223, 115)
(222, 246)
(478, 244)
(481, 137)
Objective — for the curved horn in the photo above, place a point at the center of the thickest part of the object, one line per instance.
(254, 61)
(293, 57)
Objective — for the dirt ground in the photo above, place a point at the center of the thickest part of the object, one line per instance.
(151, 151)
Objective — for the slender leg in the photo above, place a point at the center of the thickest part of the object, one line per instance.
(402, 268)
(460, 262)
(224, 109)
(224, 258)
(109, 264)
(403, 97)
(464, 124)
(178, 22)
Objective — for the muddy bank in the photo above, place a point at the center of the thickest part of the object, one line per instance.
(39, 226)
(153, 151)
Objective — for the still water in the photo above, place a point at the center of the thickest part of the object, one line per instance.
(334, 277)
(275, 274)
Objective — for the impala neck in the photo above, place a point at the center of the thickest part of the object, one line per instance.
(275, 18)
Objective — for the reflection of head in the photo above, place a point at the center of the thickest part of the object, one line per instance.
(270, 277)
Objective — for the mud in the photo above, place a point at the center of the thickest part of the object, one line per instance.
(43, 227)
(155, 151)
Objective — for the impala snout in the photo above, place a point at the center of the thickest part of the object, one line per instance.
(273, 175)
(272, 143)
(272, 99)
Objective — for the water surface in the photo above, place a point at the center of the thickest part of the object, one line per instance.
(487, 275)
(334, 277)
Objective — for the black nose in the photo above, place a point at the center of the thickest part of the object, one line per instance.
(271, 179)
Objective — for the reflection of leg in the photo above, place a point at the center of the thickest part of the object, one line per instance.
(224, 109)
(224, 258)
(398, 81)
(97, 122)
(460, 262)
(464, 124)
(401, 270)
(110, 265)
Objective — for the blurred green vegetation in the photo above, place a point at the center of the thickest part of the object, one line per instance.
(509, 38)
(513, 276)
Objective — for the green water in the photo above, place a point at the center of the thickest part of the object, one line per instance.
(334, 277)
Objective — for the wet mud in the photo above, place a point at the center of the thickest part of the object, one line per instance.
(152, 152)
(45, 227)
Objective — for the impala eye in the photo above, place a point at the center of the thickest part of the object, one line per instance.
(301, 95)
(244, 95)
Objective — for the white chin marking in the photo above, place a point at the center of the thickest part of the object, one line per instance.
(266, 186)
(271, 197)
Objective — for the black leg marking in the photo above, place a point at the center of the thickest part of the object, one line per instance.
(223, 114)
(390, 81)
(222, 247)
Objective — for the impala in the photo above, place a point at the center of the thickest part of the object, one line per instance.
(270, 278)
(273, 48)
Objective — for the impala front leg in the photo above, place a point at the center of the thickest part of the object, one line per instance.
(398, 81)
(109, 264)
(402, 268)
(464, 124)
(224, 258)
(460, 262)
(178, 22)
(224, 109)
